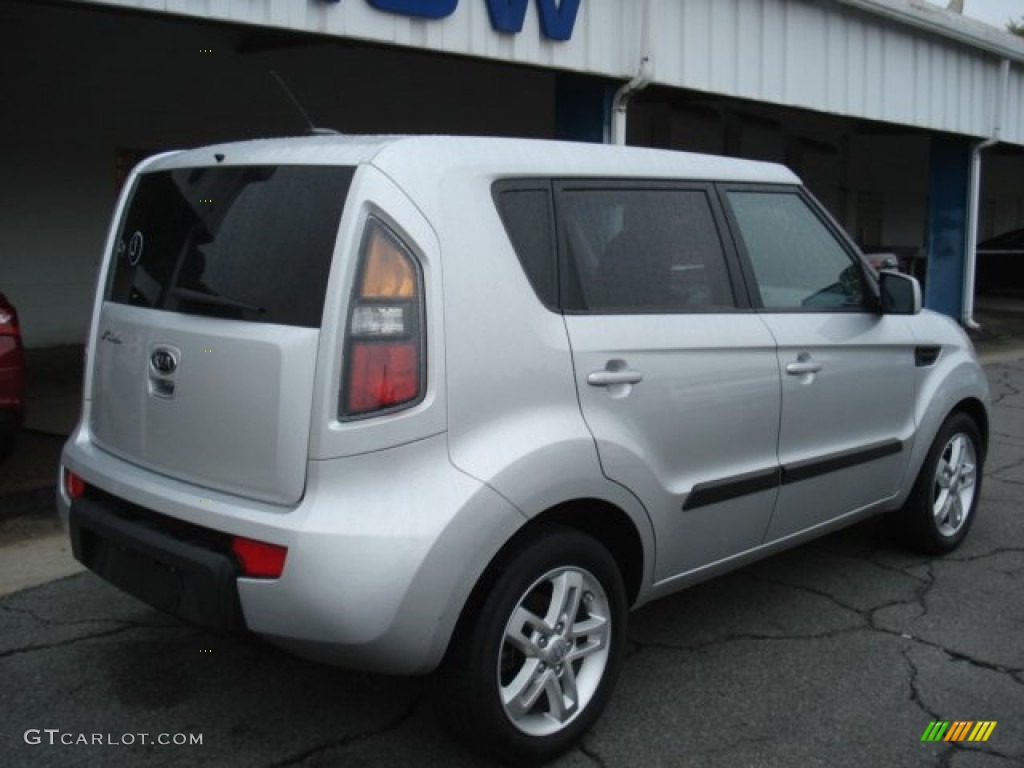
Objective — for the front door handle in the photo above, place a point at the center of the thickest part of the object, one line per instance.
(609, 378)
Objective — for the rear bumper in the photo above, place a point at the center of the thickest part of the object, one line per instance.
(383, 551)
(181, 570)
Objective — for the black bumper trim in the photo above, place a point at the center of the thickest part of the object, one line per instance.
(193, 578)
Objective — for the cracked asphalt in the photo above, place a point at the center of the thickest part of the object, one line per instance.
(838, 653)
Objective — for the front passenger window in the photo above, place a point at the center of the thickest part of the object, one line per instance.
(798, 263)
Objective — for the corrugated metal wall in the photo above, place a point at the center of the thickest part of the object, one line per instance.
(815, 54)
(824, 57)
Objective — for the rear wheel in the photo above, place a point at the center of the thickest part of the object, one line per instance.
(945, 497)
(539, 663)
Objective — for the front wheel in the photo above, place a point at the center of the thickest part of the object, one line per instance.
(945, 497)
(538, 664)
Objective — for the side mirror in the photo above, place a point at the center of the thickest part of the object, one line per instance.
(901, 294)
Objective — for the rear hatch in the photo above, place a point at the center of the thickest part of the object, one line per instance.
(207, 338)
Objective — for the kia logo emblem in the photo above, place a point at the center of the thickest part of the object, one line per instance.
(164, 361)
(135, 248)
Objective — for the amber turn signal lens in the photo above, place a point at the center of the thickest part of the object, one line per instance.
(387, 274)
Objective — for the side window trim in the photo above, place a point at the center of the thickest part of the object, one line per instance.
(824, 217)
(733, 265)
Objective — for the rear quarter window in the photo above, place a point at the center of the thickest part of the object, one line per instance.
(243, 242)
(526, 211)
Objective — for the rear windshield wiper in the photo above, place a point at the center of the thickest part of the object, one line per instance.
(218, 301)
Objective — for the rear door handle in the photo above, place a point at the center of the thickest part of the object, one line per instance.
(802, 367)
(608, 378)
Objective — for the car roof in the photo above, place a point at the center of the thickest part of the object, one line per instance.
(420, 159)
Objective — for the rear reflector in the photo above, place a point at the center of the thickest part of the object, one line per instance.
(73, 484)
(259, 559)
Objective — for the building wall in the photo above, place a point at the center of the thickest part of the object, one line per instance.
(894, 61)
(80, 85)
(84, 84)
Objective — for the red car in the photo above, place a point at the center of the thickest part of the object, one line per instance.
(12, 376)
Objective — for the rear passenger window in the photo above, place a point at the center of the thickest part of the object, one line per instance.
(641, 250)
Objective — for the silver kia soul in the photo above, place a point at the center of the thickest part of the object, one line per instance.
(409, 403)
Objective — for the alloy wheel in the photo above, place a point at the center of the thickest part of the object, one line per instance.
(554, 651)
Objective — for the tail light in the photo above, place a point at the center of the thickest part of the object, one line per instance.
(385, 340)
(8, 318)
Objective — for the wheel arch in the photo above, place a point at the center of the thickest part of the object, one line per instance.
(605, 522)
(611, 527)
(974, 408)
(955, 385)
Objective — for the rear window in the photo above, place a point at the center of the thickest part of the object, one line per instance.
(243, 242)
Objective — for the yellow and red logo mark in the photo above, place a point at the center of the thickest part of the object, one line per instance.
(958, 730)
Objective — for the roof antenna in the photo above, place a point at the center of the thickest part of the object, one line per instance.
(311, 129)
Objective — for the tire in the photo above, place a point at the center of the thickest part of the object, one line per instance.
(534, 666)
(943, 503)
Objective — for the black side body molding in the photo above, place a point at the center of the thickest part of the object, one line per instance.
(715, 491)
(805, 470)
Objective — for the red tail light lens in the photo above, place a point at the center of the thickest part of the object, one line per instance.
(8, 318)
(384, 346)
(384, 375)
(258, 558)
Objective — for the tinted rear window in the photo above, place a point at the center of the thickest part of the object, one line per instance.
(243, 242)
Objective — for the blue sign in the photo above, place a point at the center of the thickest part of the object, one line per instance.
(557, 17)
(423, 9)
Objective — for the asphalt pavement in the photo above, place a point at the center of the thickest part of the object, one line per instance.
(838, 653)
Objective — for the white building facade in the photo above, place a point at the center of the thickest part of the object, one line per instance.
(885, 107)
